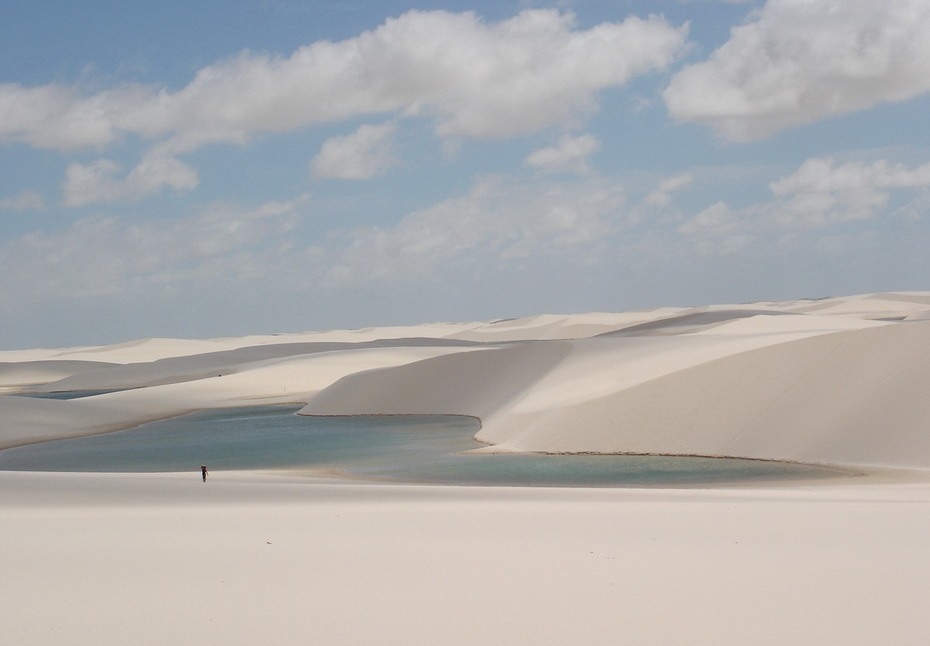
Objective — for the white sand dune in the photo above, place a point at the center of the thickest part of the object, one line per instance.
(836, 381)
(817, 388)
(271, 558)
(15, 376)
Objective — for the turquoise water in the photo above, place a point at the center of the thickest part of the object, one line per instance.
(393, 448)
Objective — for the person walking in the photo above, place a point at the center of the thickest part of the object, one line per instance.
(203, 471)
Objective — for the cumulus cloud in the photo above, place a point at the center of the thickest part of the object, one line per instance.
(99, 181)
(473, 78)
(800, 61)
(61, 117)
(28, 200)
(109, 256)
(823, 192)
(657, 207)
(820, 194)
(720, 230)
(498, 223)
(661, 196)
(362, 155)
(823, 175)
(569, 155)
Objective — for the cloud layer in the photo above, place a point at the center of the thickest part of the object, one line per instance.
(500, 222)
(108, 256)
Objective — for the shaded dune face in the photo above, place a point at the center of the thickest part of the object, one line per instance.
(834, 380)
(20, 375)
(473, 383)
(690, 322)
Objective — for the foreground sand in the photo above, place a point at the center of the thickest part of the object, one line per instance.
(269, 558)
(246, 559)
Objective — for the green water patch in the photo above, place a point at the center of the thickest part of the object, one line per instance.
(410, 449)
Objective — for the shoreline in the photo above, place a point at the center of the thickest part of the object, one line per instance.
(819, 473)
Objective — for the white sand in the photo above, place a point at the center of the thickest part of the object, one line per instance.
(267, 558)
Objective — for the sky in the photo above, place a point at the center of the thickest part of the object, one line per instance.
(232, 167)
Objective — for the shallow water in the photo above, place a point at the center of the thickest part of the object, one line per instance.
(394, 448)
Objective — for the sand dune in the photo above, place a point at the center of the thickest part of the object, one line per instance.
(842, 398)
(16, 376)
(834, 389)
(836, 381)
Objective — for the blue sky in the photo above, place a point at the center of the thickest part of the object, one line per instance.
(225, 168)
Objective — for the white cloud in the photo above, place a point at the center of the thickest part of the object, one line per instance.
(821, 192)
(498, 224)
(516, 76)
(475, 79)
(99, 181)
(501, 227)
(61, 117)
(362, 155)
(799, 61)
(470, 78)
(28, 200)
(107, 256)
(662, 196)
(656, 209)
(570, 155)
(822, 175)
(720, 230)
(819, 195)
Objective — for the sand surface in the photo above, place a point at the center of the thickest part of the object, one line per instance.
(270, 558)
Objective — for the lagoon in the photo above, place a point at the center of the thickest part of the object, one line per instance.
(409, 449)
